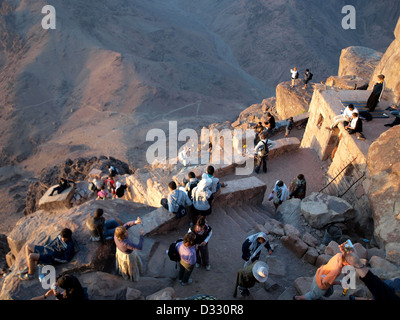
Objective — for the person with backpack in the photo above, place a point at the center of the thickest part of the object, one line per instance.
(201, 195)
(187, 252)
(295, 75)
(191, 184)
(307, 77)
(177, 200)
(261, 152)
(203, 234)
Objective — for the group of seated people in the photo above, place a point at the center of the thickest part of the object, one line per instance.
(109, 188)
(351, 120)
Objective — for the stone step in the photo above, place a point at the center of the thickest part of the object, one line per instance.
(249, 213)
(244, 222)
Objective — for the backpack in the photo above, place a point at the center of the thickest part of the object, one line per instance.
(296, 75)
(264, 149)
(310, 76)
(191, 187)
(173, 253)
(366, 115)
(181, 212)
(92, 187)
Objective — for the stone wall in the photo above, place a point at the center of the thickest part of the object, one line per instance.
(339, 148)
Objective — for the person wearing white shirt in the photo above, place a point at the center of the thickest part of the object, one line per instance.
(345, 116)
(295, 75)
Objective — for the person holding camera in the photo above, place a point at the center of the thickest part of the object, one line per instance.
(325, 278)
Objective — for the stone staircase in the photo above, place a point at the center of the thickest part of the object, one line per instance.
(230, 225)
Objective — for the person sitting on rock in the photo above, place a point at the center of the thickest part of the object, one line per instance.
(60, 250)
(112, 170)
(270, 124)
(346, 116)
(215, 185)
(258, 129)
(99, 228)
(120, 190)
(62, 185)
(251, 247)
(110, 184)
(67, 287)
(355, 126)
(102, 194)
(191, 184)
(289, 126)
(177, 198)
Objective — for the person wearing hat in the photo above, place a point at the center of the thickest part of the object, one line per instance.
(248, 276)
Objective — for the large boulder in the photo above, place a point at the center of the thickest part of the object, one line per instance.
(320, 209)
(250, 116)
(348, 82)
(42, 226)
(358, 61)
(384, 172)
(290, 101)
(389, 65)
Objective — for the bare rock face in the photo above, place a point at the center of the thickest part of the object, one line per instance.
(254, 114)
(291, 102)
(383, 162)
(42, 226)
(348, 82)
(75, 170)
(321, 209)
(358, 61)
(389, 66)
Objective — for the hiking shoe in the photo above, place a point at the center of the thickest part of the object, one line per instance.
(26, 276)
(197, 265)
(186, 283)
(208, 267)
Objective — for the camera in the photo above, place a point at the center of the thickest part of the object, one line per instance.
(348, 246)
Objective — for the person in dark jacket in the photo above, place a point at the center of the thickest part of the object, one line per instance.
(62, 185)
(251, 247)
(67, 287)
(248, 276)
(376, 93)
(203, 234)
(60, 250)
